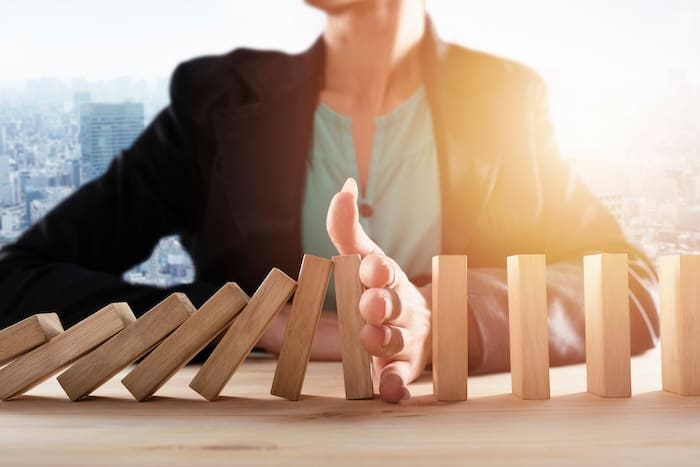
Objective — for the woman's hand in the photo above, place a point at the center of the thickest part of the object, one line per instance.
(397, 333)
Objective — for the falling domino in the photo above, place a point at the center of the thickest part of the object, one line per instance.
(185, 342)
(679, 283)
(357, 371)
(607, 325)
(449, 323)
(94, 369)
(28, 334)
(529, 340)
(33, 368)
(244, 333)
(301, 326)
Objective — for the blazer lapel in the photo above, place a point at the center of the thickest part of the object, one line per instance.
(466, 137)
(260, 162)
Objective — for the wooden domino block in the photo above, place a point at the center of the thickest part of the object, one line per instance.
(28, 334)
(529, 337)
(449, 323)
(301, 326)
(36, 366)
(94, 369)
(185, 342)
(607, 325)
(679, 283)
(244, 333)
(357, 370)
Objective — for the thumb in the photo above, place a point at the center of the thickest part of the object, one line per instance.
(343, 224)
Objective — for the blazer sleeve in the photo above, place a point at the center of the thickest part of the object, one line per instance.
(72, 260)
(572, 223)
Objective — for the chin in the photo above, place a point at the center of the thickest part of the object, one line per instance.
(334, 5)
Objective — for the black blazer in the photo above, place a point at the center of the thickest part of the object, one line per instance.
(224, 165)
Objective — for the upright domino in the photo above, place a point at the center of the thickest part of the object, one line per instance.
(94, 369)
(679, 282)
(244, 333)
(185, 342)
(449, 323)
(31, 369)
(529, 338)
(607, 325)
(28, 334)
(301, 326)
(357, 371)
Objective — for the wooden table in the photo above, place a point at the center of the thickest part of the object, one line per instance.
(250, 427)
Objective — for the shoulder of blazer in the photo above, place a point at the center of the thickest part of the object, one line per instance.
(489, 76)
(242, 76)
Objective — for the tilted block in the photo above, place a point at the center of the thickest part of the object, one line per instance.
(606, 295)
(94, 369)
(357, 370)
(185, 342)
(449, 325)
(28, 334)
(301, 326)
(244, 333)
(679, 282)
(529, 336)
(41, 363)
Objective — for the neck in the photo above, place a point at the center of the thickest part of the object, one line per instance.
(372, 54)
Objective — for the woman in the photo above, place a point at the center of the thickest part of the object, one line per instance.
(453, 154)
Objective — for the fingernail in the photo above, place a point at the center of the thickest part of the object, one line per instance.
(350, 186)
(387, 336)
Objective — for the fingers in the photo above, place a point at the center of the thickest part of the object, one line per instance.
(382, 341)
(378, 270)
(393, 380)
(343, 225)
(382, 306)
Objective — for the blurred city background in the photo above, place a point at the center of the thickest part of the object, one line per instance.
(80, 79)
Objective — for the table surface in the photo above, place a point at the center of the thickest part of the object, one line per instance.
(250, 427)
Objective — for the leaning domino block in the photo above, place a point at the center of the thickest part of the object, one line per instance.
(679, 281)
(245, 331)
(449, 323)
(357, 371)
(607, 325)
(28, 334)
(31, 369)
(301, 326)
(185, 342)
(94, 369)
(529, 338)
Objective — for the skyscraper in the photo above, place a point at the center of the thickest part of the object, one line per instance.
(5, 185)
(3, 139)
(106, 129)
(79, 99)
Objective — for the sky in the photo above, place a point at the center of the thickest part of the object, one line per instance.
(97, 39)
(594, 54)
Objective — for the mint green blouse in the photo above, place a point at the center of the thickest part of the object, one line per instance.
(401, 202)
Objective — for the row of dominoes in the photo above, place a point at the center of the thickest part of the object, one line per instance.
(172, 333)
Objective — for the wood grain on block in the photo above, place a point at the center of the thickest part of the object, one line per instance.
(94, 369)
(41, 363)
(28, 334)
(607, 325)
(357, 364)
(679, 282)
(245, 331)
(529, 336)
(449, 323)
(185, 342)
(301, 327)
